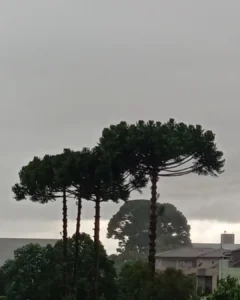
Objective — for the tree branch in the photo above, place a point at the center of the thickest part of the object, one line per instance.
(176, 174)
(181, 170)
(180, 163)
(75, 185)
(126, 176)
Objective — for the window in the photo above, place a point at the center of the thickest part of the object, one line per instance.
(185, 264)
(169, 263)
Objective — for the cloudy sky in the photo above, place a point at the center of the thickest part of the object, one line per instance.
(70, 68)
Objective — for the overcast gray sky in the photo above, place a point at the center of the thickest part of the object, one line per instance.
(70, 68)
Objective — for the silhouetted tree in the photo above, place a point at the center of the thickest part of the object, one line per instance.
(130, 226)
(103, 181)
(155, 149)
(44, 180)
(77, 168)
(35, 271)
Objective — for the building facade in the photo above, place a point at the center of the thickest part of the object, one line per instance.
(208, 262)
(201, 262)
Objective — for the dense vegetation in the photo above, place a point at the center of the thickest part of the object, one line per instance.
(126, 158)
(35, 273)
(130, 227)
(228, 289)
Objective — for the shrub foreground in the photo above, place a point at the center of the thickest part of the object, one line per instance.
(36, 273)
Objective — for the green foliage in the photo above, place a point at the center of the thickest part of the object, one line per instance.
(165, 147)
(126, 257)
(42, 179)
(98, 176)
(133, 280)
(126, 158)
(35, 271)
(88, 174)
(47, 179)
(86, 270)
(228, 289)
(104, 181)
(136, 283)
(30, 266)
(2, 283)
(130, 226)
(149, 150)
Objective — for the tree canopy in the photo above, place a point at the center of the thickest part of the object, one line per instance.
(90, 174)
(130, 226)
(104, 181)
(44, 179)
(151, 149)
(127, 157)
(228, 288)
(30, 266)
(35, 271)
(48, 179)
(136, 283)
(167, 147)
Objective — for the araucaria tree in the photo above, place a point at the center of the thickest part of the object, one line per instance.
(102, 181)
(154, 149)
(44, 180)
(77, 168)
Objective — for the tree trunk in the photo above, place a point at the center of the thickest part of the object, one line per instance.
(64, 213)
(77, 236)
(96, 248)
(153, 222)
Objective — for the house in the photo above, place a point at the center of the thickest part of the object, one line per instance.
(230, 267)
(205, 261)
(201, 262)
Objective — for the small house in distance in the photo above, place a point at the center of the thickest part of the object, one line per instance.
(208, 262)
